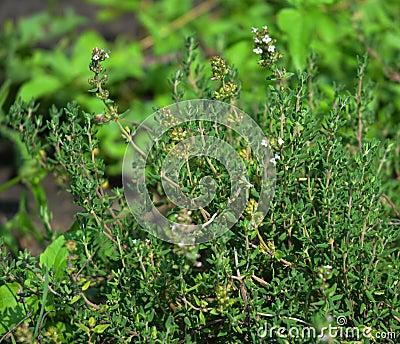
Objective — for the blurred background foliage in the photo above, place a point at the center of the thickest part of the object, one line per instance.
(45, 55)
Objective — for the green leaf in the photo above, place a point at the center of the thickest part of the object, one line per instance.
(127, 54)
(331, 291)
(10, 311)
(81, 52)
(55, 257)
(187, 322)
(370, 296)
(202, 318)
(101, 328)
(168, 323)
(279, 254)
(8, 295)
(336, 297)
(298, 28)
(40, 86)
(84, 328)
(92, 322)
(75, 298)
(238, 54)
(86, 286)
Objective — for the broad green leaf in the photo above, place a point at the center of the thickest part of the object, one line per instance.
(55, 257)
(298, 28)
(8, 295)
(82, 52)
(127, 54)
(39, 86)
(238, 54)
(11, 311)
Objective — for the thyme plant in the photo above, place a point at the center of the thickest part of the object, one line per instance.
(325, 255)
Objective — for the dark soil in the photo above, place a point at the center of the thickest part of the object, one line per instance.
(59, 201)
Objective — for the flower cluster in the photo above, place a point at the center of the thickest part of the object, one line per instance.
(98, 55)
(264, 46)
(220, 71)
(99, 79)
(227, 91)
(98, 83)
(219, 68)
(275, 159)
(251, 207)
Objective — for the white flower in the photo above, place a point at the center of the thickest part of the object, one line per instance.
(265, 27)
(280, 141)
(266, 39)
(274, 159)
(95, 57)
(256, 40)
(107, 56)
(258, 50)
(134, 241)
(173, 227)
(264, 142)
(271, 48)
(254, 30)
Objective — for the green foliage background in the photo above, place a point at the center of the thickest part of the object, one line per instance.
(145, 55)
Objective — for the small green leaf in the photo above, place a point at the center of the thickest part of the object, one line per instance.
(92, 322)
(331, 291)
(279, 254)
(187, 322)
(84, 328)
(202, 318)
(86, 286)
(214, 312)
(168, 323)
(379, 292)
(101, 328)
(370, 296)
(75, 298)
